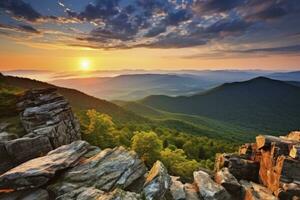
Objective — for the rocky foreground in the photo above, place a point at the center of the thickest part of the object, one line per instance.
(51, 162)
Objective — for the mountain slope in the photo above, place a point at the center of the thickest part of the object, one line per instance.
(294, 83)
(78, 100)
(260, 104)
(196, 124)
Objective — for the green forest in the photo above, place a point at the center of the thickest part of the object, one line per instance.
(182, 153)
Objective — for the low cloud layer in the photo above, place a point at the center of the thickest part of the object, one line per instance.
(122, 24)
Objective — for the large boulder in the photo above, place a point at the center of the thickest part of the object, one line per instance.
(177, 189)
(37, 172)
(208, 189)
(157, 183)
(230, 183)
(255, 191)
(240, 168)
(23, 149)
(109, 169)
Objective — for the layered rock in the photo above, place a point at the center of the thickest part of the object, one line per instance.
(157, 182)
(255, 191)
(37, 172)
(208, 189)
(274, 162)
(230, 183)
(276, 167)
(177, 189)
(239, 167)
(107, 170)
(44, 112)
(49, 122)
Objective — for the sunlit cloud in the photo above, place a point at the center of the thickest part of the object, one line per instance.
(159, 24)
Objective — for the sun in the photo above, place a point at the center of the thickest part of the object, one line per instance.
(85, 64)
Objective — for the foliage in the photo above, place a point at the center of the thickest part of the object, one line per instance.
(148, 146)
(177, 163)
(181, 153)
(98, 131)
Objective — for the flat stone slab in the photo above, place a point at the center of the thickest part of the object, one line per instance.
(37, 172)
(107, 170)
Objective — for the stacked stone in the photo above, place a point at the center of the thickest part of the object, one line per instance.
(44, 112)
(271, 161)
(49, 123)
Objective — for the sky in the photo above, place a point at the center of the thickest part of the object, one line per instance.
(69, 35)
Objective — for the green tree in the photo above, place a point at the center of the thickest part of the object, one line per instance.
(178, 164)
(99, 129)
(148, 146)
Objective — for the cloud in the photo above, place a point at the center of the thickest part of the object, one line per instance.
(28, 28)
(229, 26)
(110, 24)
(19, 28)
(217, 5)
(20, 9)
(281, 50)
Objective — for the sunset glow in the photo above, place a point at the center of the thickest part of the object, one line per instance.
(85, 64)
(210, 34)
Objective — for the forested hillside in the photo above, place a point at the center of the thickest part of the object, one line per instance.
(260, 105)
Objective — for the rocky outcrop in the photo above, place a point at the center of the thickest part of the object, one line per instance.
(177, 189)
(49, 123)
(240, 168)
(271, 161)
(230, 183)
(209, 189)
(109, 169)
(255, 191)
(79, 171)
(37, 172)
(44, 112)
(157, 182)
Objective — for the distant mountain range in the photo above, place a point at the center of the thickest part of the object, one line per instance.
(177, 83)
(260, 104)
(193, 103)
(78, 100)
(286, 76)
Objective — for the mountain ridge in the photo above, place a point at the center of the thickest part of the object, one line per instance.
(228, 102)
